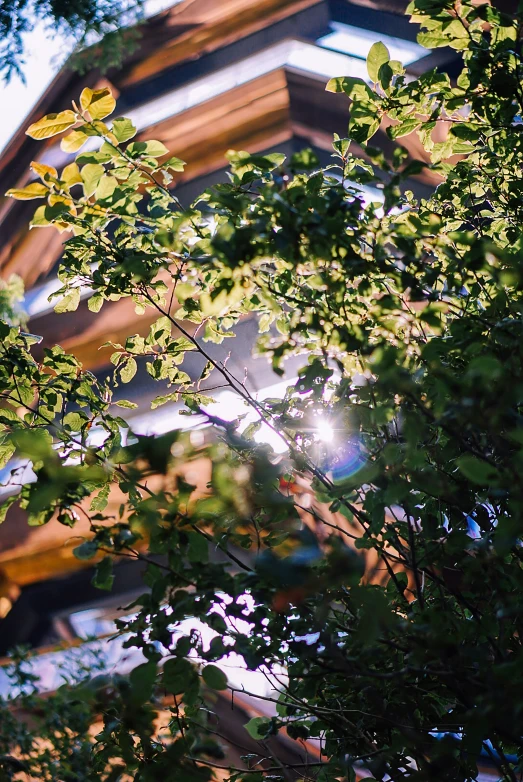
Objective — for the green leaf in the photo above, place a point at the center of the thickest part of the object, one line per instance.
(125, 403)
(93, 157)
(178, 674)
(148, 148)
(46, 214)
(160, 331)
(71, 175)
(174, 163)
(103, 577)
(206, 371)
(106, 187)
(95, 302)
(363, 122)
(51, 125)
(128, 370)
(143, 679)
(432, 40)
(341, 145)
(214, 677)
(123, 129)
(112, 151)
(6, 452)
(5, 505)
(404, 128)
(477, 470)
(86, 550)
(69, 302)
(75, 421)
(162, 399)
(258, 728)
(46, 173)
(198, 548)
(36, 444)
(75, 140)
(99, 503)
(377, 56)
(91, 175)
(348, 85)
(277, 159)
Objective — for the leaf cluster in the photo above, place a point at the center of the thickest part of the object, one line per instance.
(372, 571)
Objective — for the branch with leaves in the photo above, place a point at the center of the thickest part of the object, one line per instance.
(372, 570)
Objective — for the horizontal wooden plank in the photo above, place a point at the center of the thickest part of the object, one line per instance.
(209, 26)
(29, 555)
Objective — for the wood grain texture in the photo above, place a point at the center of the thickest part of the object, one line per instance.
(198, 27)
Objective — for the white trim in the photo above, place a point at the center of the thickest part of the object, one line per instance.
(295, 54)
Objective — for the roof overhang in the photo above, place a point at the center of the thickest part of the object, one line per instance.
(263, 100)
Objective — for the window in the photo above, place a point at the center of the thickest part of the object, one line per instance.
(356, 41)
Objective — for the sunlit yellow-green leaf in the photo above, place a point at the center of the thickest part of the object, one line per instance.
(95, 303)
(71, 175)
(378, 56)
(123, 129)
(218, 304)
(42, 170)
(70, 302)
(91, 175)
(52, 124)
(351, 86)
(106, 187)
(99, 103)
(39, 218)
(125, 403)
(148, 148)
(47, 214)
(74, 141)
(128, 370)
(404, 128)
(34, 190)
(174, 163)
(6, 451)
(85, 98)
(63, 200)
(75, 421)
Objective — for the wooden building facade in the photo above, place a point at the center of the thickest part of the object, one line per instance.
(206, 77)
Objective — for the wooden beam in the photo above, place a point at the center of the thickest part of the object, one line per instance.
(29, 555)
(210, 26)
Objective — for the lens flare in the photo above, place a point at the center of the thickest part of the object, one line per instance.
(324, 431)
(346, 459)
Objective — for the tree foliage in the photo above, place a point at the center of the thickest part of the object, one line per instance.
(378, 562)
(81, 22)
